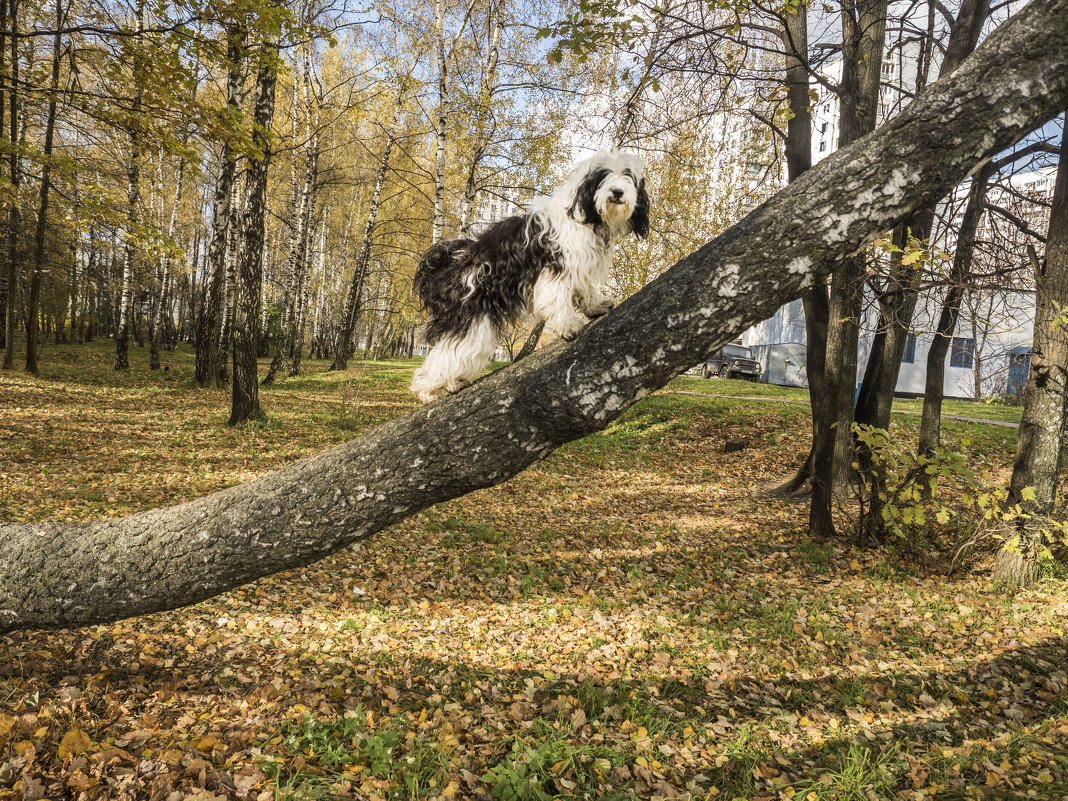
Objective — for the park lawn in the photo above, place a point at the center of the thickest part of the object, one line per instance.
(736, 388)
(631, 618)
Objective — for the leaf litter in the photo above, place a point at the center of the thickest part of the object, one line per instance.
(631, 618)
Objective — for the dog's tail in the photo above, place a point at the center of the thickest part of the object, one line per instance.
(436, 261)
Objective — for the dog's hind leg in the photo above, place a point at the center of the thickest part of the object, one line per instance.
(455, 361)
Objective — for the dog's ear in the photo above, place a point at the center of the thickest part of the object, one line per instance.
(639, 220)
(584, 205)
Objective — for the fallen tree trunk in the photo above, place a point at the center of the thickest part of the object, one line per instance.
(70, 574)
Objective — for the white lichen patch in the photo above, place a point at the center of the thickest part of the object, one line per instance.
(627, 368)
(729, 276)
(802, 264)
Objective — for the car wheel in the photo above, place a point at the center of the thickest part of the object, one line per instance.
(706, 372)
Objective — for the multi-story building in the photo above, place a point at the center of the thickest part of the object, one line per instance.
(497, 203)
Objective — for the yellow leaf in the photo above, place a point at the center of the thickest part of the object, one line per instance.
(450, 790)
(74, 742)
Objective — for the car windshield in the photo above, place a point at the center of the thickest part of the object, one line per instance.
(737, 351)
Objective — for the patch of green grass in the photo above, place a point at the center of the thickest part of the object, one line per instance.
(351, 747)
(734, 779)
(861, 774)
(545, 764)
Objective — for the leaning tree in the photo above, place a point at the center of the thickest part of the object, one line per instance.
(70, 574)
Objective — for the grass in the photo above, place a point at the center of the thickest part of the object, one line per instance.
(631, 618)
(950, 407)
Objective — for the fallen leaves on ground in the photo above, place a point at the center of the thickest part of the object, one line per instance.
(632, 617)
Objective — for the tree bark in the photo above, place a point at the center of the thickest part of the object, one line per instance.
(863, 40)
(13, 176)
(159, 302)
(5, 278)
(206, 371)
(246, 397)
(1041, 434)
(300, 242)
(440, 122)
(798, 152)
(42, 206)
(70, 574)
(133, 217)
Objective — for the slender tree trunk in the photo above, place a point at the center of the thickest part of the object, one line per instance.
(863, 41)
(159, 302)
(1040, 438)
(13, 176)
(133, 220)
(5, 279)
(246, 403)
(235, 238)
(74, 295)
(42, 207)
(345, 342)
(440, 124)
(481, 134)
(531, 342)
(300, 242)
(956, 284)
(798, 151)
(209, 323)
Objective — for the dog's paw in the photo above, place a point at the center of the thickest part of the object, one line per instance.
(570, 337)
(600, 309)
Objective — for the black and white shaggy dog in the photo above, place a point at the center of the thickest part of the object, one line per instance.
(548, 264)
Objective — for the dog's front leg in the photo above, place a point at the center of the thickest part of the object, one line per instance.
(553, 302)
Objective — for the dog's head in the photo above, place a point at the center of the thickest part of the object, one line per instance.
(608, 192)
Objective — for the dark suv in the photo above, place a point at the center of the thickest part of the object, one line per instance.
(732, 361)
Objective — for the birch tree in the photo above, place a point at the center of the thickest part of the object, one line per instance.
(245, 403)
(14, 175)
(209, 325)
(133, 201)
(43, 197)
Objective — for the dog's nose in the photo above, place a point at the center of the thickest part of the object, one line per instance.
(617, 194)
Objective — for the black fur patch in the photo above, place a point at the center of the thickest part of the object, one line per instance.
(505, 261)
(639, 220)
(586, 199)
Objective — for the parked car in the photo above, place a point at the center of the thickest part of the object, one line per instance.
(732, 361)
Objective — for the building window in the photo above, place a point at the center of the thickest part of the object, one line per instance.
(823, 146)
(962, 352)
(823, 128)
(826, 108)
(909, 356)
